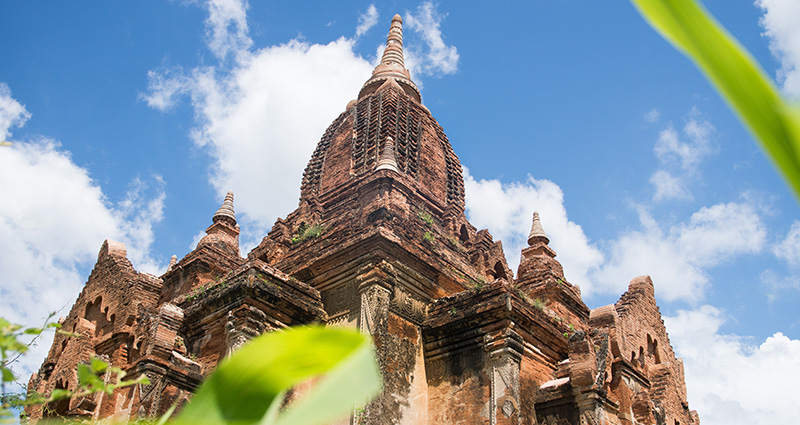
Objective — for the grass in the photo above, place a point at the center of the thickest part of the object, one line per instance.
(425, 217)
(305, 233)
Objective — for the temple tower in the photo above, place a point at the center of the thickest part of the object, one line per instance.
(380, 242)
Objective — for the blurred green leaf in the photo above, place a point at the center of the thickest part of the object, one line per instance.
(165, 417)
(735, 75)
(8, 376)
(252, 381)
(87, 378)
(59, 394)
(99, 366)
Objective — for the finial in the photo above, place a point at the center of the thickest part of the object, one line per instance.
(537, 232)
(392, 64)
(394, 44)
(388, 160)
(172, 261)
(226, 210)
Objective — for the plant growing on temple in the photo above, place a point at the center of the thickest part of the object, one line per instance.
(305, 233)
(426, 217)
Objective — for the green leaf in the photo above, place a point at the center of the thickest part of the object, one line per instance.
(87, 378)
(253, 380)
(99, 366)
(735, 75)
(59, 394)
(165, 417)
(8, 375)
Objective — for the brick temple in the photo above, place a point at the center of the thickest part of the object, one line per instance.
(380, 242)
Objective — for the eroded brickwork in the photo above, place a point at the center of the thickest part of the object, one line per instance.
(380, 242)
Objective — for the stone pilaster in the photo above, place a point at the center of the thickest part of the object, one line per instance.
(504, 352)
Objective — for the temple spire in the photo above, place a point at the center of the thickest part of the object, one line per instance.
(226, 209)
(392, 65)
(224, 231)
(537, 232)
(394, 44)
(388, 161)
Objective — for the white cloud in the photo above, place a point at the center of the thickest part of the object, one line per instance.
(776, 283)
(438, 58)
(53, 220)
(506, 210)
(165, 87)
(677, 258)
(730, 380)
(261, 121)
(788, 249)
(668, 186)
(687, 154)
(12, 113)
(367, 20)
(226, 27)
(780, 25)
(679, 157)
(652, 116)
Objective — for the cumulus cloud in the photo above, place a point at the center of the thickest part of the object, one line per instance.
(437, 58)
(367, 20)
(12, 113)
(687, 154)
(226, 27)
(780, 26)
(506, 210)
(678, 257)
(788, 249)
(165, 87)
(679, 156)
(261, 120)
(668, 186)
(730, 379)
(53, 219)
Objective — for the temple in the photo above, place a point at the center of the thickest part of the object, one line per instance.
(379, 242)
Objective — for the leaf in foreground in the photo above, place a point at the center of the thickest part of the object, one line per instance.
(735, 75)
(248, 387)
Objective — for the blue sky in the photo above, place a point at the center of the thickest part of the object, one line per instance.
(130, 120)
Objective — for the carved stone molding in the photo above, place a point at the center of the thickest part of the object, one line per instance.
(242, 325)
(408, 306)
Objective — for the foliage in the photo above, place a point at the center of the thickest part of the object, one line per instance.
(478, 284)
(248, 387)
(736, 76)
(305, 233)
(429, 237)
(426, 217)
(97, 376)
(11, 348)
